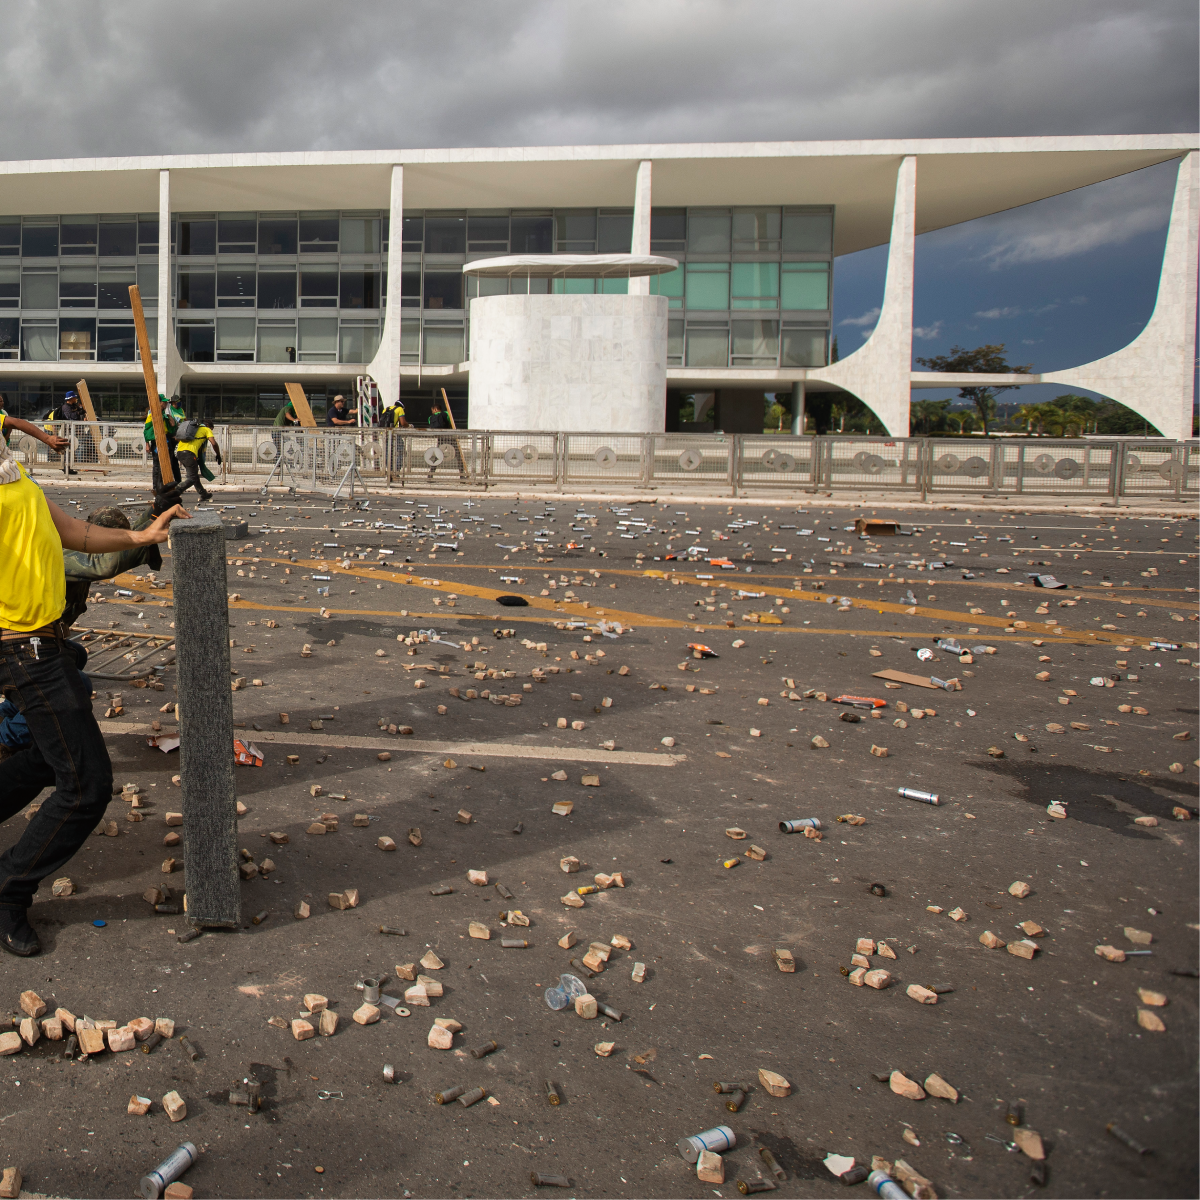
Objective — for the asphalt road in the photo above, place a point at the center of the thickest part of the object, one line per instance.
(1057, 1035)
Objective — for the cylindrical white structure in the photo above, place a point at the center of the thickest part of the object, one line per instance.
(563, 362)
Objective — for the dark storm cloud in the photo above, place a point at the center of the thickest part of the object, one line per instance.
(148, 76)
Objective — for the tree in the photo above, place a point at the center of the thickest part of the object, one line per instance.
(928, 415)
(964, 418)
(988, 360)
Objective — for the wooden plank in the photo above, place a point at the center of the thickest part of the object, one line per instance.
(86, 397)
(156, 417)
(300, 404)
(446, 402)
(903, 677)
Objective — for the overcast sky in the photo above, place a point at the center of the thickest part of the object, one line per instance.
(1066, 279)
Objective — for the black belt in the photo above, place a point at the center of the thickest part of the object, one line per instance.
(56, 629)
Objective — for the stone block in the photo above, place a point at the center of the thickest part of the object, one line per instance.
(366, 1014)
(173, 1104)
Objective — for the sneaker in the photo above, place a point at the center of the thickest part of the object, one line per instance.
(17, 936)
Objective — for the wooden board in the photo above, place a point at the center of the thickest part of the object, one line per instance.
(86, 397)
(446, 402)
(903, 677)
(300, 404)
(156, 417)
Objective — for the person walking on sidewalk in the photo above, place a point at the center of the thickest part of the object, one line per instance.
(40, 675)
(193, 439)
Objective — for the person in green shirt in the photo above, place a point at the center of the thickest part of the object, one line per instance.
(287, 415)
(172, 414)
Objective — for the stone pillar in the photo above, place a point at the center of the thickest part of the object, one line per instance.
(205, 721)
(385, 366)
(798, 407)
(166, 323)
(640, 243)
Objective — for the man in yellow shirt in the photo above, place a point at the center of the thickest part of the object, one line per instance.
(189, 452)
(40, 672)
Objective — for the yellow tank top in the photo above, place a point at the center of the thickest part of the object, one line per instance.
(32, 581)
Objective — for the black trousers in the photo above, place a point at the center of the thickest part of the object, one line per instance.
(68, 753)
(190, 468)
(156, 470)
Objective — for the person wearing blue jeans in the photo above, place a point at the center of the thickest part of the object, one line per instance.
(40, 674)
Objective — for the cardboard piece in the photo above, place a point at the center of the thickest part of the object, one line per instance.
(903, 677)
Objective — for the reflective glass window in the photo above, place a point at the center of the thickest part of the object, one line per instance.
(574, 287)
(708, 285)
(276, 289)
(10, 337)
(675, 342)
(360, 289)
(197, 289)
(276, 342)
(147, 281)
(756, 229)
(487, 233)
(277, 235)
(39, 241)
(613, 287)
(359, 342)
(237, 233)
(410, 341)
(147, 235)
(804, 347)
(708, 232)
(318, 287)
(444, 344)
(77, 236)
(360, 235)
(235, 339)
(754, 343)
(198, 236)
(318, 234)
(318, 339)
(443, 289)
(807, 233)
(76, 339)
(39, 289)
(445, 235)
(575, 230)
(39, 341)
(668, 228)
(410, 287)
(806, 285)
(236, 287)
(10, 240)
(77, 287)
(115, 341)
(414, 233)
(118, 239)
(485, 286)
(670, 284)
(756, 285)
(10, 286)
(532, 235)
(614, 233)
(707, 346)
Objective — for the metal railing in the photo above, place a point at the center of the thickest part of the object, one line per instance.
(349, 460)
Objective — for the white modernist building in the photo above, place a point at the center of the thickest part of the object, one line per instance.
(559, 287)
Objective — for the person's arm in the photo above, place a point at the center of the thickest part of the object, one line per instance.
(98, 539)
(55, 443)
(216, 448)
(338, 421)
(404, 422)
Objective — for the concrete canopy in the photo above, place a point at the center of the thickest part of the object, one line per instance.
(571, 266)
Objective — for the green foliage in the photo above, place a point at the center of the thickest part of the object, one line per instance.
(987, 360)
(928, 416)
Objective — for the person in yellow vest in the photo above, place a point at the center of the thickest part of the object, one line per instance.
(193, 438)
(40, 673)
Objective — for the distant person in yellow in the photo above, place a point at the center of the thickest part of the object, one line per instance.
(192, 440)
(40, 673)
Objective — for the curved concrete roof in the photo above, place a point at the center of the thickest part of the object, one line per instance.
(958, 179)
(572, 266)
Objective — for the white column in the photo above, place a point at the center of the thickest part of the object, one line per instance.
(385, 367)
(641, 224)
(1153, 375)
(166, 323)
(798, 398)
(879, 372)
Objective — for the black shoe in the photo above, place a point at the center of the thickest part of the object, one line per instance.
(17, 936)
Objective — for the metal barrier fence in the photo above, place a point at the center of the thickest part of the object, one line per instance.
(349, 460)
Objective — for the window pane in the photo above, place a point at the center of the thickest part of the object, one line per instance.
(277, 289)
(77, 287)
(360, 235)
(359, 343)
(708, 232)
(78, 235)
(115, 342)
(532, 235)
(755, 343)
(198, 237)
(614, 233)
(756, 229)
(445, 235)
(575, 230)
(443, 344)
(520, 285)
(235, 337)
(235, 288)
(10, 286)
(414, 233)
(237, 233)
(10, 240)
(675, 341)
(114, 287)
(196, 342)
(39, 342)
(668, 228)
(277, 235)
(360, 289)
(147, 235)
(487, 233)
(76, 339)
(147, 281)
(806, 285)
(318, 235)
(613, 287)
(197, 289)
(39, 241)
(670, 284)
(755, 285)
(39, 289)
(410, 340)
(708, 285)
(485, 286)
(804, 347)
(707, 347)
(807, 233)
(277, 343)
(118, 239)
(318, 339)
(443, 289)
(410, 287)
(318, 287)
(574, 287)
(10, 334)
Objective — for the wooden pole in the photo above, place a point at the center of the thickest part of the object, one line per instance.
(156, 417)
(446, 402)
(300, 404)
(86, 397)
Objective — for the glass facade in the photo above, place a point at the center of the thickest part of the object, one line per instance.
(311, 287)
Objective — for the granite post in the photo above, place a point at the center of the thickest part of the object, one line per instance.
(205, 721)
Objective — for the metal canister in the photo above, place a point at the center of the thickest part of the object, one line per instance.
(540, 1180)
(718, 1140)
(370, 990)
(735, 1100)
(749, 1186)
(882, 1184)
(720, 1087)
(799, 826)
(472, 1097)
(448, 1094)
(484, 1050)
(552, 1096)
(149, 1043)
(153, 1184)
(917, 794)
